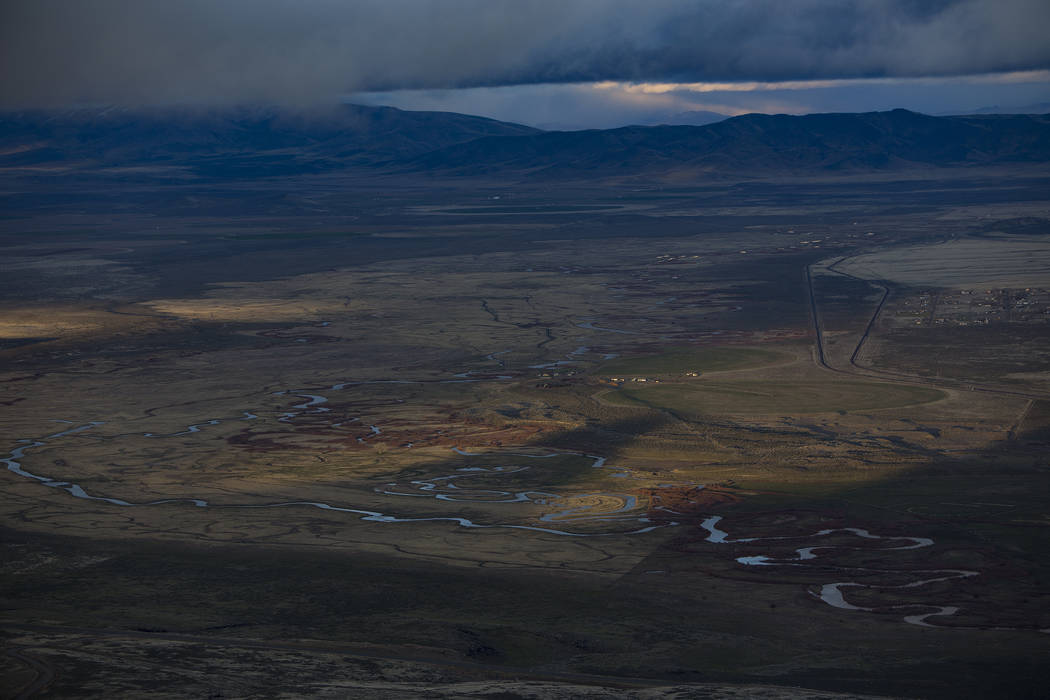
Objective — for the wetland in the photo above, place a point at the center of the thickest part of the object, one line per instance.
(642, 439)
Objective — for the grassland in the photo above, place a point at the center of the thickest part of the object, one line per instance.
(684, 360)
(395, 464)
(772, 397)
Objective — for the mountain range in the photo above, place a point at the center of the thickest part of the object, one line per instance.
(268, 142)
(691, 118)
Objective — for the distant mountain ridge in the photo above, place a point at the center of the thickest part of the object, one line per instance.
(695, 117)
(1033, 108)
(262, 142)
(237, 141)
(761, 143)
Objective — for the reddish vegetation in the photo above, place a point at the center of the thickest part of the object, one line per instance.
(479, 436)
(359, 436)
(686, 500)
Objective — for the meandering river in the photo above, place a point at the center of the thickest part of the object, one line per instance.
(832, 593)
(593, 508)
(624, 513)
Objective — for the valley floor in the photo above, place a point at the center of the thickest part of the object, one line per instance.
(723, 440)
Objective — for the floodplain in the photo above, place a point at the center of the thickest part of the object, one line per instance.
(639, 440)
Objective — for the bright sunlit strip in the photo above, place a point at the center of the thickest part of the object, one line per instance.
(1033, 76)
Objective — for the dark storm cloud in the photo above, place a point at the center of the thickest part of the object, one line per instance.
(149, 51)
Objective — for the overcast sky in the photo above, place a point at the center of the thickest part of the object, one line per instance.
(568, 62)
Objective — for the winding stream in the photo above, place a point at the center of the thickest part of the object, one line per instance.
(14, 465)
(445, 488)
(832, 593)
(473, 484)
(584, 506)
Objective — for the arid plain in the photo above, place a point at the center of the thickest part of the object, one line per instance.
(452, 437)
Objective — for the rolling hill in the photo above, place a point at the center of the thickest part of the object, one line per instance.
(236, 142)
(267, 142)
(757, 143)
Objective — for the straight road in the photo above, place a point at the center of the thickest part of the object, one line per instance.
(858, 370)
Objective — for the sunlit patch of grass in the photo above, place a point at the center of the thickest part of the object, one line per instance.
(771, 397)
(247, 310)
(685, 360)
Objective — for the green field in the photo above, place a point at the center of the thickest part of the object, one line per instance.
(682, 360)
(764, 397)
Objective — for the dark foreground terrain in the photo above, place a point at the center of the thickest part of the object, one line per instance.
(375, 434)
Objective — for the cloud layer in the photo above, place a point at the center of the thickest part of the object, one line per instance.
(56, 52)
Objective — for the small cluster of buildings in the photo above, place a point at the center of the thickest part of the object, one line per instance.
(968, 307)
(647, 380)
